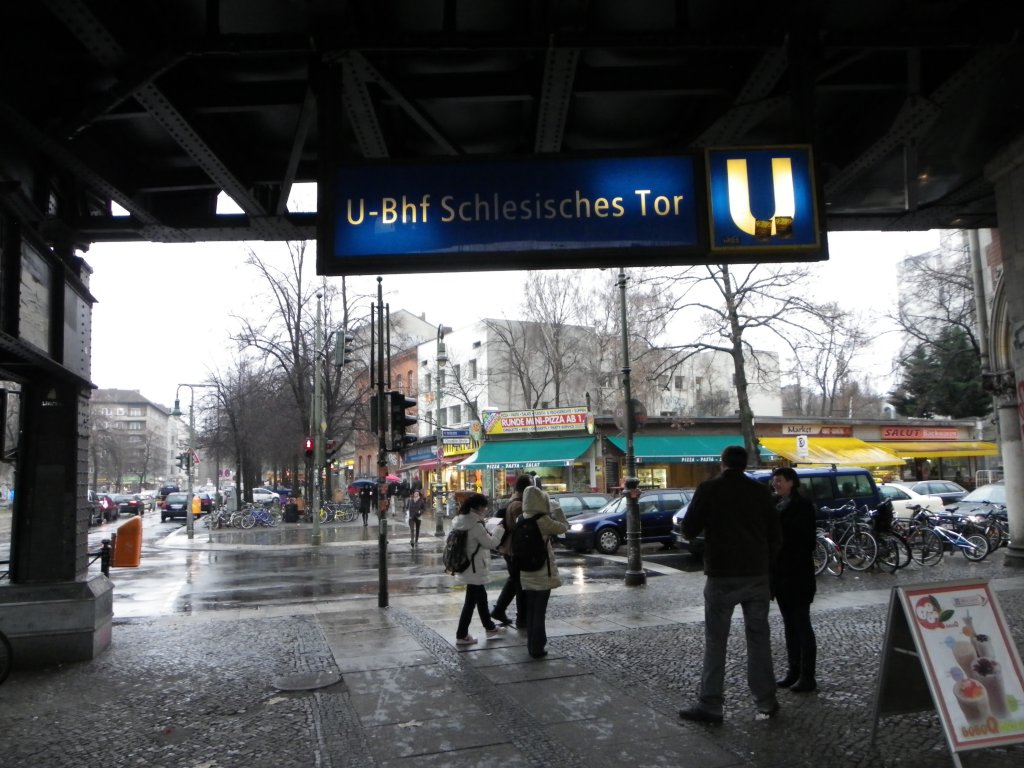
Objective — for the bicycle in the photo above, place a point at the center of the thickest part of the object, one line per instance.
(6, 657)
(256, 514)
(853, 536)
(827, 555)
(329, 511)
(929, 539)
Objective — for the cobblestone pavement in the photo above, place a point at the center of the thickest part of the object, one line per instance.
(198, 691)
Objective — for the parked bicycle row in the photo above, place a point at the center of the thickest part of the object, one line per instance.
(861, 538)
(246, 517)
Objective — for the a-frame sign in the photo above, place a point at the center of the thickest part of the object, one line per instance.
(947, 648)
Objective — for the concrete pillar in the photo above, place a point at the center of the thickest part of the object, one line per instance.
(1006, 171)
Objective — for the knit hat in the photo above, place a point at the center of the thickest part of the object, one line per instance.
(535, 501)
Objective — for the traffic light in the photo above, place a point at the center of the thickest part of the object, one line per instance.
(343, 348)
(309, 446)
(399, 421)
(182, 460)
(331, 448)
(374, 415)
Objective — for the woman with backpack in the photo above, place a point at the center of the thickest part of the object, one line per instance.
(538, 583)
(478, 544)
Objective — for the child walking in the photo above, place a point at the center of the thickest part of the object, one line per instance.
(479, 544)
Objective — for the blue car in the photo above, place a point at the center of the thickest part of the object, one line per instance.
(605, 530)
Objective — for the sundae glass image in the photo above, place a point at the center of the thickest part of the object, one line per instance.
(990, 674)
(972, 697)
(965, 655)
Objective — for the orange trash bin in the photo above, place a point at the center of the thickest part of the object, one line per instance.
(128, 545)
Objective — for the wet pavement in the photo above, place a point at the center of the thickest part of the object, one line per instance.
(189, 677)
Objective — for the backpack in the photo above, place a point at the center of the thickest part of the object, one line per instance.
(455, 557)
(528, 549)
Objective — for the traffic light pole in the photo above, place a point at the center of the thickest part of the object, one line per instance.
(319, 428)
(382, 458)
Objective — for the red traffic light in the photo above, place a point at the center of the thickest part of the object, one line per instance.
(309, 446)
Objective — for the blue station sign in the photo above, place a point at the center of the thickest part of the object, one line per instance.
(512, 213)
(557, 212)
(762, 199)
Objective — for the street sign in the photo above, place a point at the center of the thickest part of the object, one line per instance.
(195, 457)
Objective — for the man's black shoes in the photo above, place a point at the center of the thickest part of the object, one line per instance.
(501, 618)
(698, 715)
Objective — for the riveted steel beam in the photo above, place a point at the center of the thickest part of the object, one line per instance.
(555, 98)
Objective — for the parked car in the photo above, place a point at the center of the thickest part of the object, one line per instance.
(95, 509)
(205, 502)
(174, 506)
(148, 497)
(981, 500)
(605, 529)
(263, 495)
(574, 504)
(902, 498)
(947, 490)
(129, 504)
(108, 505)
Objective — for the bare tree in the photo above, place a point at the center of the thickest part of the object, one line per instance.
(285, 336)
(827, 350)
(732, 303)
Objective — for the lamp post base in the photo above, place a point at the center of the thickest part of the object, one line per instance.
(635, 578)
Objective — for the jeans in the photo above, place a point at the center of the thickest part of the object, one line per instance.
(414, 529)
(476, 597)
(721, 595)
(510, 590)
(536, 604)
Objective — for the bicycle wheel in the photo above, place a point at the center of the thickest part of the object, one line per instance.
(248, 520)
(860, 550)
(6, 657)
(324, 515)
(925, 546)
(976, 548)
(888, 553)
(994, 534)
(820, 557)
(348, 514)
(835, 563)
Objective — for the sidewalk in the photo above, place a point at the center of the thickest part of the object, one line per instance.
(200, 690)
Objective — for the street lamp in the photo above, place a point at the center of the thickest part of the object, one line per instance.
(635, 575)
(441, 359)
(176, 412)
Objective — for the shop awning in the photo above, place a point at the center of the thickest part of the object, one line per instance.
(523, 454)
(679, 449)
(844, 451)
(940, 449)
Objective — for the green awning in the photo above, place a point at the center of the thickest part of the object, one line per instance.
(679, 449)
(523, 454)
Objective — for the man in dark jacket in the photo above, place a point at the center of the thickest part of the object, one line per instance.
(741, 541)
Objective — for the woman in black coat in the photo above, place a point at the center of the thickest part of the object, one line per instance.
(794, 581)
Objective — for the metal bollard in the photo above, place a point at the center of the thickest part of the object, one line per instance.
(105, 550)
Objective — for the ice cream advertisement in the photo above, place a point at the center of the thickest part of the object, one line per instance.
(972, 664)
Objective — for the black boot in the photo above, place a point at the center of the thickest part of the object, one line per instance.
(793, 673)
(806, 682)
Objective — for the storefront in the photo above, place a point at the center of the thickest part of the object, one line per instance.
(936, 453)
(672, 461)
(561, 463)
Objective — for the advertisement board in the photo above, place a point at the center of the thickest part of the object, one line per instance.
(956, 635)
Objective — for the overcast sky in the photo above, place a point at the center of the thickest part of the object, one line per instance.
(163, 312)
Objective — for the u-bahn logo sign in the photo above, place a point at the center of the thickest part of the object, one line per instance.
(481, 214)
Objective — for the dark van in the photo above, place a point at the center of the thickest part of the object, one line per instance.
(826, 486)
(832, 487)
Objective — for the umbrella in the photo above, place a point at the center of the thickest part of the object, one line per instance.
(393, 479)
